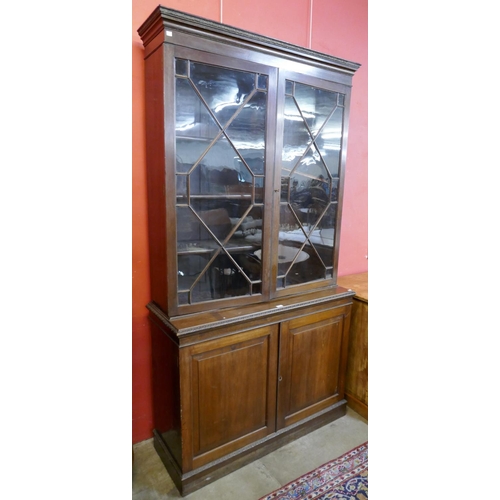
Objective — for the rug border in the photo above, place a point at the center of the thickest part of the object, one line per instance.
(295, 481)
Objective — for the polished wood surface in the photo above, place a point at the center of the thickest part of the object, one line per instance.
(232, 386)
(222, 399)
(217, 45)
(191, 327)
(357, 365)
(236, 375)
(356, 282)
(156, 179)
(312, 364)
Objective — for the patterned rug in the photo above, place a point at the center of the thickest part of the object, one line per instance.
(345, 478)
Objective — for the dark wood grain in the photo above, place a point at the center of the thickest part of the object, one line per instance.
(162, 18)
(196, 39)
(233, 392)
(156, 178)
(310, 364)
(236, 376)
(357, 365)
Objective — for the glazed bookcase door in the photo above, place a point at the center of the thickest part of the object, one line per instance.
(221, 142)
(310, 158)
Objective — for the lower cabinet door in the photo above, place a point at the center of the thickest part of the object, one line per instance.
(228, 394)
(313, 355)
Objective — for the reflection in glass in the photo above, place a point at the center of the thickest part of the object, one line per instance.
(329, 141)
(247, 132)
(309, 183)
(262, 82)
(220, 165)
(181, 67)
(315, 105)
(296, 136)
(223, 90)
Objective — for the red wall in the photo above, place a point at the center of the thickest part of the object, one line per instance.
(339, 28)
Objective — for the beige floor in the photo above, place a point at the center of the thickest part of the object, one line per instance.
(150, 480)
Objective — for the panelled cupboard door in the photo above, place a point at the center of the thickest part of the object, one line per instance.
(312, 364)
(228, 394)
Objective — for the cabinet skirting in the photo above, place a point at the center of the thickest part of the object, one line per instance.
(357, 405)
(195, 479)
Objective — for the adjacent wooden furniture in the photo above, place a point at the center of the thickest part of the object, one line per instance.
(246, 148)
(356, 388)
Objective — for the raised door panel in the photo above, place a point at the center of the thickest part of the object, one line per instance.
(232, 393)
(312, 363)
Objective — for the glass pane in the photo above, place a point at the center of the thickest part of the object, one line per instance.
(248, 226)
(220, 152)
(325, 231)
(306, 267)
(248, 131)
(192, 235)
(181, 67)
(329, 141)
(222, 89)
(243, 251)
(196, 180)
(217, 170)
(181, 181)
(309, 184)
(296, 136)
(192, 270)
(259, 189)
(262, 82)
(316, 105)
(192, 118)
(194, 126)
(335, 189)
